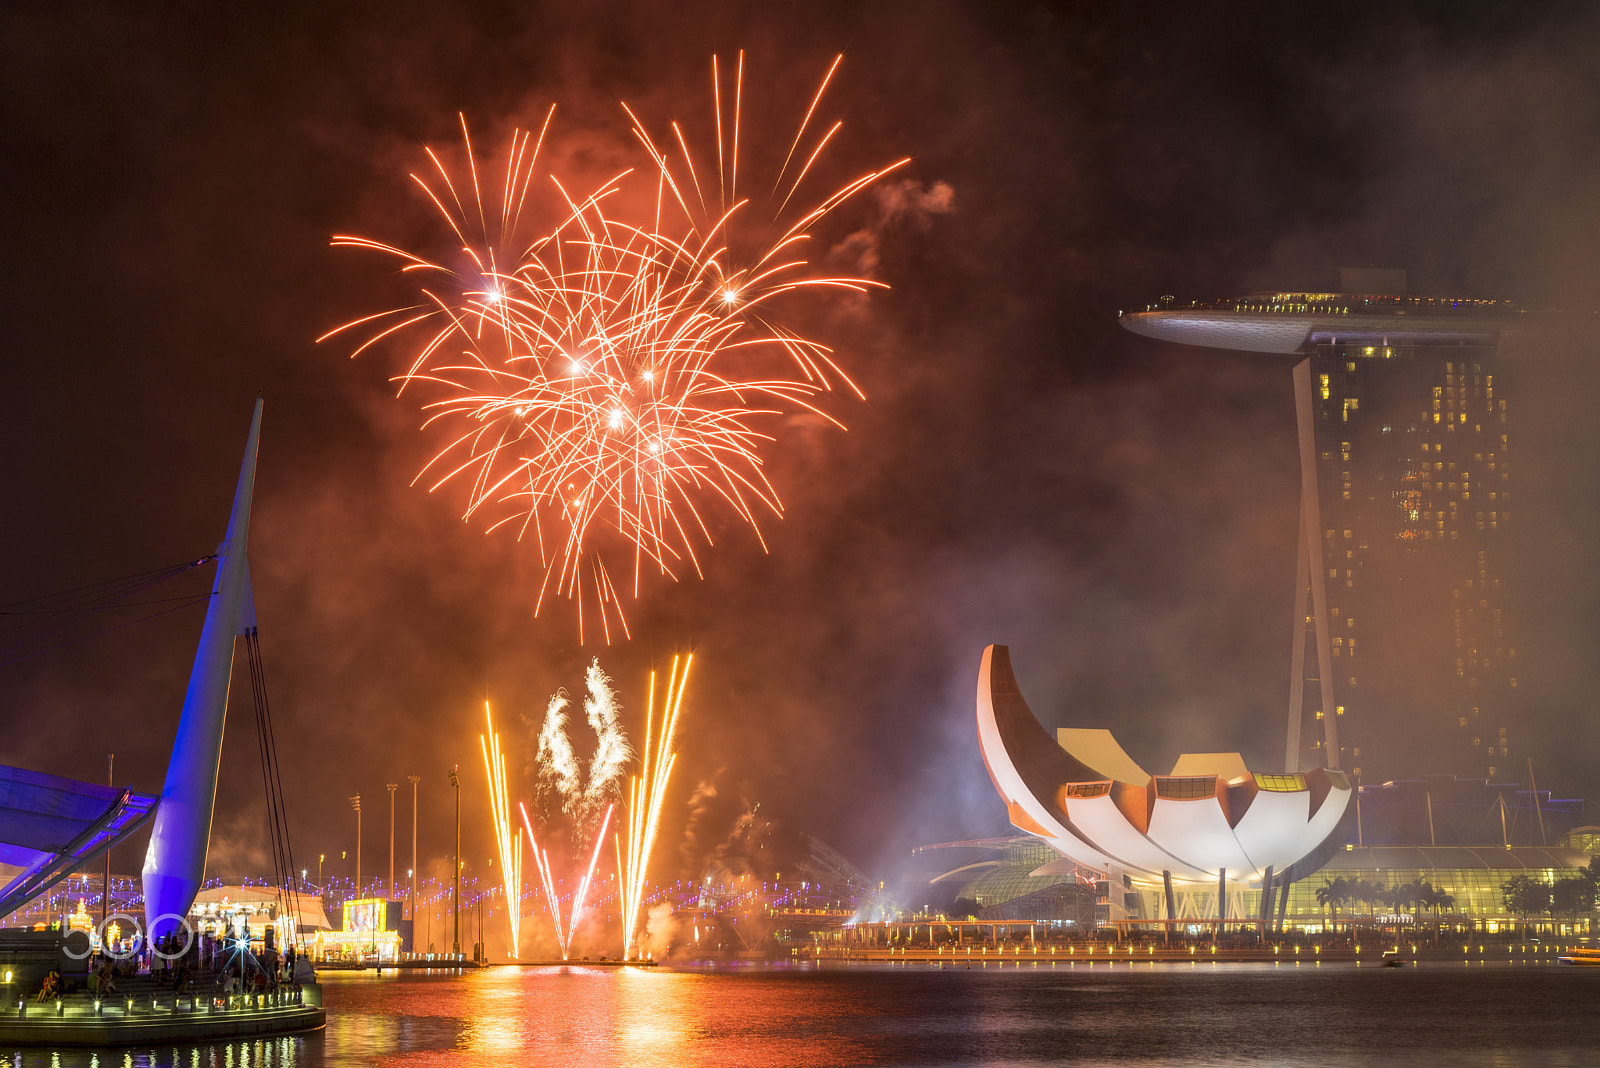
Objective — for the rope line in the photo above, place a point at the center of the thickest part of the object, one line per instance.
(29, 627)
(272, 781)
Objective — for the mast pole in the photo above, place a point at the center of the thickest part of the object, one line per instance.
(175, 862)
(105, 887)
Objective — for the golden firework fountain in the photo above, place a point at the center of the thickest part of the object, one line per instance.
(646, 794)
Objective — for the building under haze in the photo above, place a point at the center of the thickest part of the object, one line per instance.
(1211, 822)
(1403, 638)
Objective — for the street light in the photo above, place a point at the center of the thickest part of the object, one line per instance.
(105, 888)
(355, 803)
(392, 787)
(413, 872)
(455, 863)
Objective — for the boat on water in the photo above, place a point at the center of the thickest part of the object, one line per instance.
(52, 996)
(1583, 958)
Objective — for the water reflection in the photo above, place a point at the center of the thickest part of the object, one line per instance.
(285, 1052)
(778, 1016)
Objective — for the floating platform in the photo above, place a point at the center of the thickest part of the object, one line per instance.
(141, 1019)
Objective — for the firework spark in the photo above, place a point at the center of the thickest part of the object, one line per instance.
(558, 764)
(510, 843)
(608, 380)
(566, 932)
(647, 792)
(560, 774)
(612, 751)
(541, 861)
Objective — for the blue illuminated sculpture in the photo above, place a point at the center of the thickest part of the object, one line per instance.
(175, 863)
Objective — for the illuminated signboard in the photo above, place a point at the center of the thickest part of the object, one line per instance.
(365, 914)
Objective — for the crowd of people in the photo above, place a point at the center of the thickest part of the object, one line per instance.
(185, 963)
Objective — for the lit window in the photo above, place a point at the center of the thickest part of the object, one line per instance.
(1187, 787)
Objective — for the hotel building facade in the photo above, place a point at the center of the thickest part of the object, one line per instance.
(1402, 638)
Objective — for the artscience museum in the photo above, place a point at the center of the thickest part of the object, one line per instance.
(1210, 821)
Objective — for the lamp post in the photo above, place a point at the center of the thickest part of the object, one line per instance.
(355, 803)
(455, 863)
(105, 888)
(320, 858)
(413, 872)
(391, 787)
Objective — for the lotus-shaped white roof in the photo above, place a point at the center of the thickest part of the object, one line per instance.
(1092, 803)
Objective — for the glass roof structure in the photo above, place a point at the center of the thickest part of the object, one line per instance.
(51, 826)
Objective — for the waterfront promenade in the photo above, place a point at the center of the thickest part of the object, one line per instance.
(1370, 950)
(144, 1013)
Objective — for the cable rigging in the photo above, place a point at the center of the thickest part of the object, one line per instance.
(36, 625)
(272, 782)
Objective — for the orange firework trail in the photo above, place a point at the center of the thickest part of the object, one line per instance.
(603, 383)
(542, 862)
(564, 934)
(509, 842)
(646, 795)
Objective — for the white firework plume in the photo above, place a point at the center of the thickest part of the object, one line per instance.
(612, 751)
(558, 765)
(581, 797)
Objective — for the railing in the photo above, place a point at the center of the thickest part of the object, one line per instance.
(154, 1006)
(1340, 304)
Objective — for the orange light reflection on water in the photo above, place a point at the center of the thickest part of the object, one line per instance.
(590, 1016)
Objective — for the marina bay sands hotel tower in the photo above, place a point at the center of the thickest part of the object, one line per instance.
(1402, 636)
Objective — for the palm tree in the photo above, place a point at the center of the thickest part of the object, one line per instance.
(1330, 895)
(1368, 894)
(1407, 894)
(1430, 898)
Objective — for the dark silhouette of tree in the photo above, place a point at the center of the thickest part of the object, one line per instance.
(1332, 894)
(1527, 896)
(1434, 899)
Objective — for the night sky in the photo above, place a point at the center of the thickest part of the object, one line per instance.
(1121, 513)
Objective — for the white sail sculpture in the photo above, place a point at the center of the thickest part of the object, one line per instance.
(1093, 804)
